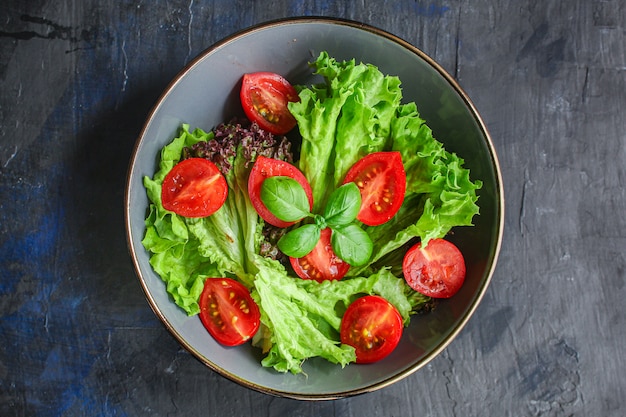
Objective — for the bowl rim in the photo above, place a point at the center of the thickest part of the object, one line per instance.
(500, 202)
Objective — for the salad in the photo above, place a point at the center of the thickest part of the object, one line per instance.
(315, 226)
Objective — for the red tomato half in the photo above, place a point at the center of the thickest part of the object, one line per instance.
(228, 311)
(438, 270)
(264, 97)
(321, 263)
(268, 167)
(195, 187)
(382, 180)
(373, 327)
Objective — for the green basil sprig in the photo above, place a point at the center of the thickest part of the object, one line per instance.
(287, 200)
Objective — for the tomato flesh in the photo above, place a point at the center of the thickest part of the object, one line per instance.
(264, 98)
(437, 270)
(373, 326)
(228, 311)
(194, 187)
(321, 263)
(264, 168)
(381, 179)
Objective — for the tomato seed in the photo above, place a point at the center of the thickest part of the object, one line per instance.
(243, 306)
(376, 207)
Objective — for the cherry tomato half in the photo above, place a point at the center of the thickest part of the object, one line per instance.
(268, 167)
(372, 326)
(264, 97)
(381, 179)
(321, 263)
(437, 270)
(228, 311)
(195, 187)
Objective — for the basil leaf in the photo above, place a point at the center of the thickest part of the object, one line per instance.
(300, 241)
(343, 205)
(352, 244)
(285, 198)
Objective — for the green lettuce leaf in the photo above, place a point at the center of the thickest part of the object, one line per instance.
(232, 234)
(184, 251)
(302, 318)
(342, 121)
(358, 110)
(174, 255)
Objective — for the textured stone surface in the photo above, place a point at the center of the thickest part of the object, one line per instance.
(77, 79)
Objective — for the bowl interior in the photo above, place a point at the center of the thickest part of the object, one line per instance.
(206, 94)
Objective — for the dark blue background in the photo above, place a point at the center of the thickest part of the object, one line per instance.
(77, 80)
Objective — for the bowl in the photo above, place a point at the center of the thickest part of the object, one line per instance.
(205, 93)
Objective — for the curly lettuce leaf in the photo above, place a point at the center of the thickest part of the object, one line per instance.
(358, 110)
(184, 251)
(174, 255)
(440, 194)
(343, 120)
(302, 318)
(231, 235)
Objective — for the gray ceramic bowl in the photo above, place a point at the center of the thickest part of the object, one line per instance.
(205, 93)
